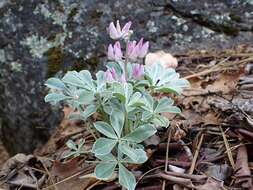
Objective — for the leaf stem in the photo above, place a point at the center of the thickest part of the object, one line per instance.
(126, 60)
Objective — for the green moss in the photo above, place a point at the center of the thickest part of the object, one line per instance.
(230, 30)
(96, 14)
(73, 13)
(55, 60)
(235, 17)
(90, 64)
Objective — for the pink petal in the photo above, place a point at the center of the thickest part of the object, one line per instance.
(110, 53)
(140, 43)
(117, 51)
(118, 27)
(113, 31)
(126, 28)
(143, 50)
(113, 72)
(108, 76)
(138, 71)
(132, 50)
(122, 78)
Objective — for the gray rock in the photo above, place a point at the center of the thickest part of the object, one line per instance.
(40, 38)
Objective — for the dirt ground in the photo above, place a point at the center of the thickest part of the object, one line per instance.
(207, 146)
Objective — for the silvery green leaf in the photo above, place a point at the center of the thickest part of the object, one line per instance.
(164, 80)
(140, 134)
(135, 155)
(71, 144)
(153, 73)
(55, 83)
(146, 115)
(117, 119)
(104, 171)
(89, 110)
(103, 146)
(73, 78)
(168, 75)
(142, 157)
(55, 97)
(161, 121)
(101, 82)
(83, 96)
(135, 100)
(141, 83)
(175, 86)
(105, 129)
(126, 178)
(148, 101)
(165, 105)
(107, 157)
(123, 91)
(87, 78)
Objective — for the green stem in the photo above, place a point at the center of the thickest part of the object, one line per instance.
(126, 59)
(126, 127)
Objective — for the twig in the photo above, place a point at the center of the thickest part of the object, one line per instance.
(167, 159)
(230, 156)
(221, 66)
(153, 169)
(196, 154)
(70, 177)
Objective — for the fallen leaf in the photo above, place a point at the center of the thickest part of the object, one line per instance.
(243, 175)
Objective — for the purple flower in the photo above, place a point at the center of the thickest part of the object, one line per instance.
(138, 71)
(122, 79)
(137, 50)
(142, 48)
(132, 50)
(116, 32)
(108, 76)
(114, 52)
(111, 76)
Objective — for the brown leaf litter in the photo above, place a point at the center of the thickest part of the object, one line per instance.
(208, 146)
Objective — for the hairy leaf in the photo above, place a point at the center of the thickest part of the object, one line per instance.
(103, 146)
(105, 129)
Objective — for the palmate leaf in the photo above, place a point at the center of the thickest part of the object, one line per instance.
(126, 178)
(136, 155)
(104, 171)
(142, 157)
(73, 78)
(160, 120)
(166, 105)
(164, 80)
(105, 129)
(83, 96)
(101, 82)
(103, 146)
(89, 110)
(56, 97)
(117, 119)
(123, 91)
(134, 102)
(87, 78)
(55, 83)
(140, 134)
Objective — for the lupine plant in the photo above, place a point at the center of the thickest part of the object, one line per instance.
(125, 98)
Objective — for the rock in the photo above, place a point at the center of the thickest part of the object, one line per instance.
(41, 38)
(165, 59)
